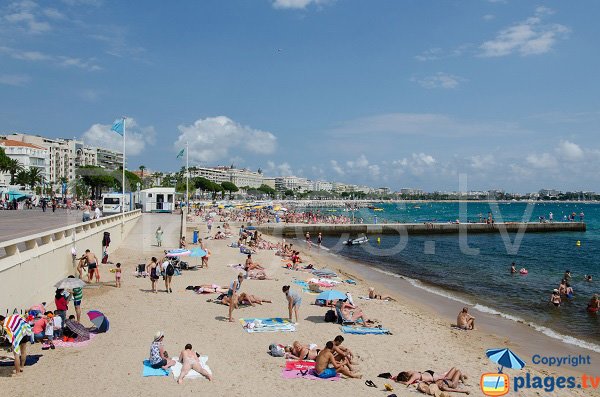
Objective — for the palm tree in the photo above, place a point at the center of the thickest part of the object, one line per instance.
(21, 179)
(142, 169)
(34, 176)
(14, 167)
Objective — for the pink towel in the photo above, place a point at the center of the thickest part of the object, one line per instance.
(83, 343)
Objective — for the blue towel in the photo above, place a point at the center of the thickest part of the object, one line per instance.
(364, 330)
(149, 371)
(301, 283)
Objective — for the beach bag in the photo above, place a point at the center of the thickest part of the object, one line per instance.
(170, 270)
(330, 316)
(276, 351)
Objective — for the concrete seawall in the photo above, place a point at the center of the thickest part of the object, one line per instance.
(299, 230)
(33, 264)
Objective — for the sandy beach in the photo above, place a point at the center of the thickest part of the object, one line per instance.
(111, 364)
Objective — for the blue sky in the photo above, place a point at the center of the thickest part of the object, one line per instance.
(386, 93)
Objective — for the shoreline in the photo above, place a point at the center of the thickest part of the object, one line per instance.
(524, 338)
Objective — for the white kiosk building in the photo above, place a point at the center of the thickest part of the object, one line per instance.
(158, 199)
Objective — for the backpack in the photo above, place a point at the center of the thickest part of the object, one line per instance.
(330, 316)
(276, 351)
(170, 270)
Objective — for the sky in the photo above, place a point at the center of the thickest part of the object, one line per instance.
(404, 94)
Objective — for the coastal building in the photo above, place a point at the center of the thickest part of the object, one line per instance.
(109, 159)
(270, 182)
(318, 186)
(29, 155)
(549, 193)
(213, 174)
(66, 155)
(294, 183)
(243, 177)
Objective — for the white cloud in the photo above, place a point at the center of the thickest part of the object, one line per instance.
(570, 151)
(212, 138)
(417, 164)
(137, 137)
(283, 169)
(14, 79)
(436, 53)
(488, 17)
(424, 124)
(529, 37)
(337, 168)
(53, 13)
(482, 162)
(60, 60)
(431, 54)
(544, 160)
(297, 4)
(25, 15)
(439, 80)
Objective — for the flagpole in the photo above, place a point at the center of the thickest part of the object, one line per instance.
(187, 178)
(123, 180)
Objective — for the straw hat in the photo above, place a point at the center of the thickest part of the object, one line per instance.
(158, 335)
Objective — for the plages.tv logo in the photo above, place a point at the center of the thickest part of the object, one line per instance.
(498, 384)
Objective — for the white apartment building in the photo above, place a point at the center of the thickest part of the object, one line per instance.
(29, 155)
(292, 183)
(65, 155)
(216, 175)
(321, 186)
(242, 178)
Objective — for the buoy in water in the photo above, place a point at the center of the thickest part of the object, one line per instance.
(578, 243)
(378, 240)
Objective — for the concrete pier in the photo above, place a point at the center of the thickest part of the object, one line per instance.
(299, 230)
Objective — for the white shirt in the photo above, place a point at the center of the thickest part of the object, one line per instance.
(97, 213)
(57, 322)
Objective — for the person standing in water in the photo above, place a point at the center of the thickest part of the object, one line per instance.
(513, 269)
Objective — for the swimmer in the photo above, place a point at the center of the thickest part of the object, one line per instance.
(513, 269)
(588, 278)
(555, 298)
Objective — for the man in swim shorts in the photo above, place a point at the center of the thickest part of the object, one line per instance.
(327, 367)
(92, 264)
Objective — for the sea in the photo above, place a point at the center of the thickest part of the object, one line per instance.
(475, 270)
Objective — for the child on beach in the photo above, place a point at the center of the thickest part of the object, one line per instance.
(118, 276)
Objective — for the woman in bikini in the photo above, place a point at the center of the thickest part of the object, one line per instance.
(452, 381)
(299, 351)
(151, 269)
(410, 377)
(190, 360)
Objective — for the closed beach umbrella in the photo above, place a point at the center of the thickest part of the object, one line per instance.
(505, 358)
(331, 295)
(178, 252)
(69, 283)
(99, 320)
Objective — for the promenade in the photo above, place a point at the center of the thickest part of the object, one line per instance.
(23, 223)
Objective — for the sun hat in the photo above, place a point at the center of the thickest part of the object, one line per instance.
(158, 335)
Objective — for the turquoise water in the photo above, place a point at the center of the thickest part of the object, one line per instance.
(481, 274)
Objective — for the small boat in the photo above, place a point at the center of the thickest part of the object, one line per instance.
(356, 241)
(377, 209)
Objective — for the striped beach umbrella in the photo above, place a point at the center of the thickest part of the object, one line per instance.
(505, 358)
(178, 252)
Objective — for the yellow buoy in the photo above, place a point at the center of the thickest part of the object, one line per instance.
(378, 240)
(578, 243)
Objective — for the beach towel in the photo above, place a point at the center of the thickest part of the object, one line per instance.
(149, 371)
(16, 329)
(275, 324)
(299, 365)
(365, 330)
(310, 375)
(176, 369)
(76, 343)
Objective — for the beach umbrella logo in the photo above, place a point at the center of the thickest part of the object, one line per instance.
(99, 320)
(498, 384)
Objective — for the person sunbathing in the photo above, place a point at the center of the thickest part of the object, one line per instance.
(352, 313)
(219, 236)
(374, 295)
(465, 320)
(191, 360)
(210, 288)
(429, 376)
(298, 351)
(251, 265)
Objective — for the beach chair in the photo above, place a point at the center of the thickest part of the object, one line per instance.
(340, 318)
